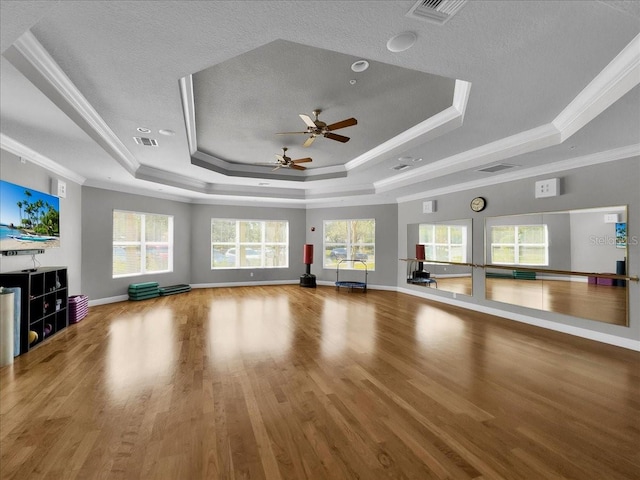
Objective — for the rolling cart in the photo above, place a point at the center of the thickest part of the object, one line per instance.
(350, 284)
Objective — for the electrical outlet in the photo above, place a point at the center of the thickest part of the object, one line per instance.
(548, 188)
(251, 274)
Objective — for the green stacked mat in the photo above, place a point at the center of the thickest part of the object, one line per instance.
(143, 291)
(173, 289)
(524, 275)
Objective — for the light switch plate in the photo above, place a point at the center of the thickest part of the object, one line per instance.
(429, 206)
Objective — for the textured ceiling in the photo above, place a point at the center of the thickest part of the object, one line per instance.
(539, 87)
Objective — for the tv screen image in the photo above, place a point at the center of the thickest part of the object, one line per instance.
(29, 219)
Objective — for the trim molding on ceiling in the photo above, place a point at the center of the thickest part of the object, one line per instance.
(32, 60)
(614, 81)
(22, 151)
(435, 126)
(616, 154)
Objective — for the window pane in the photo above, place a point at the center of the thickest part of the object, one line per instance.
(275, 232)
(425, 234)
(442, 234)
(157, 258)
(502, 254)
(363, 231)
(532, 256)
(276, 256)
(156, 228)
(126, 260)
(223, 231)
(126, 227)
(531, 234)
(249, 257)
(503, 235)
(456, 235)
(456, 254)
(250, 232)
(442, 253)
(219, 258)
(335, 231)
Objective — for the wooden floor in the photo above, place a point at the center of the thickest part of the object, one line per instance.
(290, 383)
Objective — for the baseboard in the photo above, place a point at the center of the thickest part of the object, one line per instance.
(609, 339)
(244, 284)
(104, 301)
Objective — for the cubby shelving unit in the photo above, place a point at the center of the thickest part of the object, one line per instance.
(44, 302)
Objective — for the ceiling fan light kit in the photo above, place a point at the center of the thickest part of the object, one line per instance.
(317, 128)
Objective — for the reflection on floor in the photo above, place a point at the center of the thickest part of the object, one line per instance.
(283, 382)
(578, 299)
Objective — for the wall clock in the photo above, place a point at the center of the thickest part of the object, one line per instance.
(478, 204)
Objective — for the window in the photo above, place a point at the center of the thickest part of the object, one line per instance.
(519, 245)
(142, 243)
(444, 243)
(350, 239)
(249, 243)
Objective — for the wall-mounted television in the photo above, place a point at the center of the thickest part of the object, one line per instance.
(29, 219)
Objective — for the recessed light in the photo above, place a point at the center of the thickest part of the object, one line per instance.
(406, 159)
(143, 130)
(416, 160)
(353, 81)
(168, 133)
(359, 66)
(401, 42)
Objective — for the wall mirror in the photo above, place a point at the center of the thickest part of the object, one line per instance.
(560, 248)
(444, 241)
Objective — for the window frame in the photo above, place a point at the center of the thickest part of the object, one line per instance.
(448, 244)
(348, 245)
(517, 245)
(261, 246)
(143, 244)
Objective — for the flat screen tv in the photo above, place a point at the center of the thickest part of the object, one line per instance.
(29, 219)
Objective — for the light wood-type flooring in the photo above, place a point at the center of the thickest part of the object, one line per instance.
(283, 382)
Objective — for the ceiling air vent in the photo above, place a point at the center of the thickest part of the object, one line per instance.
(438, 11)
(399, 168)
(147, 142)
(496, 168)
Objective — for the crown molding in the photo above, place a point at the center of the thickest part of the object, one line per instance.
(189, 111)
(613, 82)
(22, 151)
(518, 144)
(616, 154)
(433, 127)
(35, 63)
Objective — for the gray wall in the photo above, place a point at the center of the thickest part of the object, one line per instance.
(593, 243)
(616, 183)
(386, 217)
(201, 216)
(69, 253)
(97, 246)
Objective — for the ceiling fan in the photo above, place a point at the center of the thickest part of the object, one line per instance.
(284, 161)
(317, 128)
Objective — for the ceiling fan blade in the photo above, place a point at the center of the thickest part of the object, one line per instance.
(309, 141)
(289, 133)
(343, 124)
(297, 167)
(334, 136)
(302, 160)
(307, 120)
(265, 164)
(277, 167)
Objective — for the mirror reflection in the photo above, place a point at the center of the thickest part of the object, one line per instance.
(544, 260)
(445, 241)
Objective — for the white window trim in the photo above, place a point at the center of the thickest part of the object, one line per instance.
(435, 244)
(262, 245)
(347, 244)
(517, 245)
(143, 245)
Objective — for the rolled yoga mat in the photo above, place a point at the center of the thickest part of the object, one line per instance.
(16, 318)
(6, 328)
